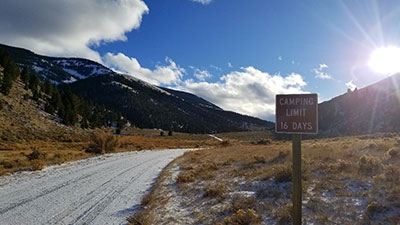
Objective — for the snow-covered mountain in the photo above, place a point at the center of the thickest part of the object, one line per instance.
(59, 70)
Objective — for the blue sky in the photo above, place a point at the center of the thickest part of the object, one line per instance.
(235, 53)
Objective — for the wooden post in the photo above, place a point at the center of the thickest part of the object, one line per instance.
(296, 178)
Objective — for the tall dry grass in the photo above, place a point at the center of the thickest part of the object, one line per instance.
(243, 181)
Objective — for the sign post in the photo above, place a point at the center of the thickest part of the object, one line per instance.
(297, 114)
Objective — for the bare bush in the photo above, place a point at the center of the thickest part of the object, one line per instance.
(369, 164)
(215, 190)
(185, 177)
(102, 142)
(225, 143)
(37, 164)
(392, 153)
(262, 142)
(283, 173)
(243, 217)
(36, 155)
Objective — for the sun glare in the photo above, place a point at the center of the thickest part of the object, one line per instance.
(385, 60)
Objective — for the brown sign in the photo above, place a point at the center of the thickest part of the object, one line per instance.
(297, 114)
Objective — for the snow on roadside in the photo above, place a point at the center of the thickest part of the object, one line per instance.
(215, 137)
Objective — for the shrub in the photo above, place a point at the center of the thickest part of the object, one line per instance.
(262, 142)
(224, 143)
(185, 177)
(36, 155)
(392, 153)
(283, 173)
(369, 164)
(284, 214)
(372, 208)
(102, 142)
(37, 164)
(243, 217)
(215, 191)
(281, 157)
(8, 164)
(242, 202)
(259, 159)
(392, 173)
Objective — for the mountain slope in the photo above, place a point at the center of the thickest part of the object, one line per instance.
(23, 119)
(372, 109)
(144, 104)
(59, 70)
(148, 106)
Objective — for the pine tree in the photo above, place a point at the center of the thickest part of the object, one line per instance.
(34, 83)
(6, 85)
(34, 86)
(69, 116)
(25, 77)
(48, 87)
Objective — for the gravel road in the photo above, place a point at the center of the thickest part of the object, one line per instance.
(100, 190)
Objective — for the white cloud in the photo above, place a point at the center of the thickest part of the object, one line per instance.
(169, 75)
(230, 65)
(204, 2)
(68, 27)
(201, 75)
(280, 58)
(319, 73)
(249, 91)
(216, 67)
(350, 85)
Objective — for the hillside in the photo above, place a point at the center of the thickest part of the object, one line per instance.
(148, 106)
(23, 119)
(144, 104)
(372, 109)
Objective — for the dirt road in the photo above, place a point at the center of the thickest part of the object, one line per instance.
(100, 190)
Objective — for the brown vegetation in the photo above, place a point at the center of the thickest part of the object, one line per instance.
(345, 180)
(14, 156)
(102, 142)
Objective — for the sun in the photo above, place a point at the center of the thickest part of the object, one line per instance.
(385, 60)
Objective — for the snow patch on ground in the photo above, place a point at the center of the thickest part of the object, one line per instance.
(70, 80)
(215, 137)
(74, 73)
(37, 69)
(124, 86)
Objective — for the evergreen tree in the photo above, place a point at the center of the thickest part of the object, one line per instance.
(6, 85)
(48, 87)
(34, 86)
(25, 77)
(34, 83)
(69, 116)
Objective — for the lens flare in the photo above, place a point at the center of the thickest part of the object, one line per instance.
(385, 60)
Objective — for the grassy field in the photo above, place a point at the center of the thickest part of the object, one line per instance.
(348, 180)
(34, 155)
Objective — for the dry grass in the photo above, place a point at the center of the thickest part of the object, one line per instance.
(345, 180)
(13, 155)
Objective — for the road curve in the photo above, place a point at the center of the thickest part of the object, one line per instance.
(100, 190)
